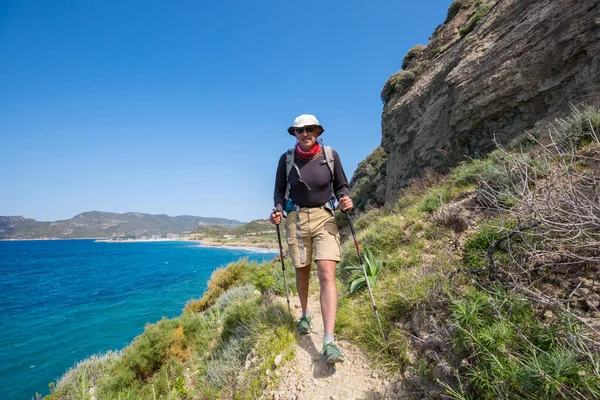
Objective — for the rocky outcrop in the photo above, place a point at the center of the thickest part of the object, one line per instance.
(367, 187)
(521, 63)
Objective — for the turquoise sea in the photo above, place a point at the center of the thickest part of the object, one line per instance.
(62, 301)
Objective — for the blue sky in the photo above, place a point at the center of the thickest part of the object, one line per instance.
(181, 107)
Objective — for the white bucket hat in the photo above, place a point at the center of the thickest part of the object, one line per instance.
(305, 120)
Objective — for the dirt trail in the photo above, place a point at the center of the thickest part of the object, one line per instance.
(308, 376)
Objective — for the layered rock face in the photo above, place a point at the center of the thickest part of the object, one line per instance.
(525, 63)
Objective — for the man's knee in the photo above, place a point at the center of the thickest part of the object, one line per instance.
(326, 271)
(303, 274)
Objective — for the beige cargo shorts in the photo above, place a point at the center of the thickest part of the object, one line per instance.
(318, 231)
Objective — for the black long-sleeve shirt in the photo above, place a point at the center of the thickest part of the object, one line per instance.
(317, 176)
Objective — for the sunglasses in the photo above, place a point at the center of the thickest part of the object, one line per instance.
(308, 129)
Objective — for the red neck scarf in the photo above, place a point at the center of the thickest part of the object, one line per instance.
(308, 155)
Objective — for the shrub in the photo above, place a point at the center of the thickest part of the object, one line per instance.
(436, 51)
(433, 200)
(481, 12)
(399, 83)
(477, 245)
(175, 339)
(469, 173)
(264, 280)
(279, 340)
(507, 178)
(79, 379)
(222, 369)
(580, 128)
(367, 186)
(169, 383)
(525, 143)
(413, 53)
(220, 280)
(236, 318)
(119, 378)
(429, 204)
(235, 294)
(501, 334)
(148, 351)
(451, 218)
(268, 276)
(453, 10)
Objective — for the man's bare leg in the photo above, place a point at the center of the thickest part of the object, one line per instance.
(302, 281)
(329, 293)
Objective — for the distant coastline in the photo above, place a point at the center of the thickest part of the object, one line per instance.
(242, 247)
(237, 243)
(112, 240)
(233, 245)
(229, 244)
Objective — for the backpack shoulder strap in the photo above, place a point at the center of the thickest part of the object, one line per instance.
(289, 164)
(329, 158)
(331, 164)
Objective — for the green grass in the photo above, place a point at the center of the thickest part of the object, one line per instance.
(516, 354)
(469, 173)
(404, 283)
(477, 244)
(435, 198)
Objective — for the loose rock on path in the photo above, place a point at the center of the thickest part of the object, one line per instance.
(308, 376)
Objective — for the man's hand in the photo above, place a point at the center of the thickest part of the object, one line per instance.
(346, 203)
(275, 217)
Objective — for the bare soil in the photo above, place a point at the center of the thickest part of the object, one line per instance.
(308, 376)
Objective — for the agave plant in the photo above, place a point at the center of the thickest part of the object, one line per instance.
(372, 268)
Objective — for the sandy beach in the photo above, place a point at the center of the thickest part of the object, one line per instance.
(234, 245)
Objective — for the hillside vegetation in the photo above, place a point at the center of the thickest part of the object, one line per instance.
(462, 17)
(257, 233)
(487, 290)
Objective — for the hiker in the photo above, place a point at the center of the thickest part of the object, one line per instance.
(309, 179)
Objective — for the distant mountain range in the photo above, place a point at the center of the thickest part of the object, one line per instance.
(97, 224)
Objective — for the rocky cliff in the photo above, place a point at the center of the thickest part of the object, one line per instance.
(493, 70)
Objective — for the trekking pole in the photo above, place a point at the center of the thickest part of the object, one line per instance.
(287, 296)
(362, 264)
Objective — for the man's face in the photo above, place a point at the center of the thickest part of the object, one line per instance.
(307, 136)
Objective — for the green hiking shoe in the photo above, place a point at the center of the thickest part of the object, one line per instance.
(332, 353)
(304, 326)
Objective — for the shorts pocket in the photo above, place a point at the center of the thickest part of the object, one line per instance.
(290, 229)
(331, 227)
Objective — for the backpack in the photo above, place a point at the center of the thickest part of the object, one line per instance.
(289, 164)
